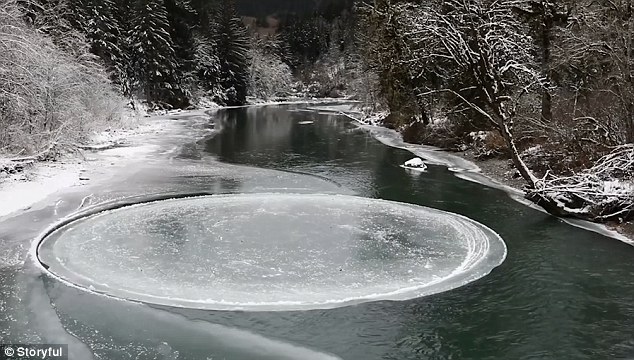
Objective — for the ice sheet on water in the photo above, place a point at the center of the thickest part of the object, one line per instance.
(431, 154)
(272, 251)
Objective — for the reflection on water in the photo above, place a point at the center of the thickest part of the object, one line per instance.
(328, 147)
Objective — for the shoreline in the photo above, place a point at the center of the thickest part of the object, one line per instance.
(106, 152)
(495, 173)
(502, 171)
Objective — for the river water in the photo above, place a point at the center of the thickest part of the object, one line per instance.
(561, 293)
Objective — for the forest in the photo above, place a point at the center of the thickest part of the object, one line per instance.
(545, 84)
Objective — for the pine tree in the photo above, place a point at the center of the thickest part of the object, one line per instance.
(155, 64)
(306, 38)
(232, 42)
(183, 20)
(207, 66)
(98, 20)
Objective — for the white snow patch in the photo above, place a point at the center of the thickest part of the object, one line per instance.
(534, 150)
(618, 187)
(431, 154)
(416, 163)
(291, 101)
(123, 146)
(19, 192)
(478, 135)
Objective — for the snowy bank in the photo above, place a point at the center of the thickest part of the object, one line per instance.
(467, 169)
(106, 151)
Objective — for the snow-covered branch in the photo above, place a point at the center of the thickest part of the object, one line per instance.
(603, 192)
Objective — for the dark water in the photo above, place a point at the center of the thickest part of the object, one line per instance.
(562, 293)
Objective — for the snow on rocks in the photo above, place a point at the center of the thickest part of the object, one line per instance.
(415, 164)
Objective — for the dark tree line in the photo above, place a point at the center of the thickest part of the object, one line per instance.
(171, 52)
(321, 47)
(168, 52)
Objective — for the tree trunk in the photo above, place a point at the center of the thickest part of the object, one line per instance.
(520, 165)
(547, 114)
(504, 128)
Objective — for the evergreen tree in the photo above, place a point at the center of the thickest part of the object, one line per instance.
(155, 63)
(232, 42)
(182, 18)
(98, 20)
(207, 66)
(306, 37)
(121, 12)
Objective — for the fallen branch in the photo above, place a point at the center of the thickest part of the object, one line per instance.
(603, 192)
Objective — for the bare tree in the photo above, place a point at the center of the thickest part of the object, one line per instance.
(483, 45)
(563, 88)
(269, 77)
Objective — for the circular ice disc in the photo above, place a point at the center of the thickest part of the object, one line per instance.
(271, 251)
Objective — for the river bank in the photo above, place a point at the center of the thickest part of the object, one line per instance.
(491, 171)
(24, 182)
(120, 147)
(91, 162)
(502, 171)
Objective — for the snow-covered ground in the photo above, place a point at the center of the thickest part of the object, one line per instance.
(106, 151)
(292, 100)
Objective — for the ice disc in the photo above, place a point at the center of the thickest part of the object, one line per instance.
(271, 251)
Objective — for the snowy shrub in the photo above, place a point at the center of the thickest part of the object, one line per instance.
(270, 77)
(49, 100)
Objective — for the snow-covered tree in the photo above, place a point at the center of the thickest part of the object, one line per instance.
(207, 68)
(232, 44)
(182, 19)
(270, 77)
(486, 47)
(99, 21)
(306, 39)
(154, 59)
(49, 98)
(384, 55)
